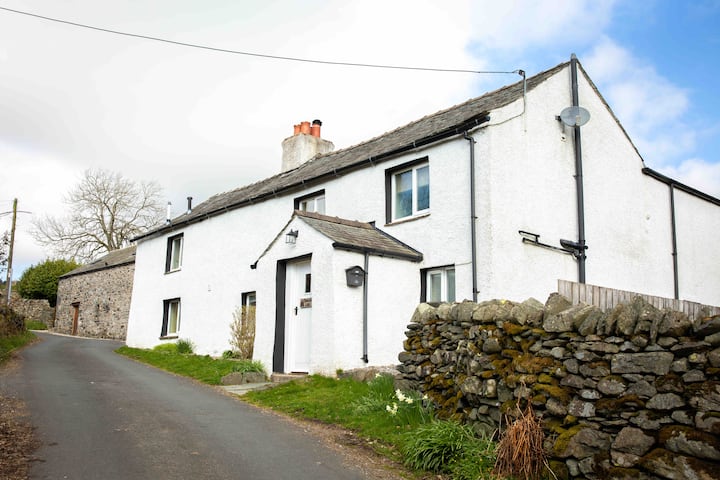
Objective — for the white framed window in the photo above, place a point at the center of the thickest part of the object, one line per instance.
(171, 318)
(248, 307)
(439, 284)
(173, 258)
(409, 191)
(314, 203)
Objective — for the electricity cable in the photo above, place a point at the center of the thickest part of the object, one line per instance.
(252, 54)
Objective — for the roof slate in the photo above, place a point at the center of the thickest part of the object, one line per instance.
(453, 120)
(115, 258)
(359, 236)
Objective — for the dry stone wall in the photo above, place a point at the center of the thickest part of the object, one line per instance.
(629, 393)
(102, 300)
(38, 310)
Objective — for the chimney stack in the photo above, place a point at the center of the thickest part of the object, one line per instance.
(304, 145)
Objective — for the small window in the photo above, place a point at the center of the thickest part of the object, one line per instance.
(171, 318)
(408, 191)
(314, 203)
(248, 308)
(438, 284)
(173, 258)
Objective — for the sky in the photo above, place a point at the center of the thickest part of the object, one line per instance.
(200, 122)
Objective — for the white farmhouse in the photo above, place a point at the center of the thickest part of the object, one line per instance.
(498, 197)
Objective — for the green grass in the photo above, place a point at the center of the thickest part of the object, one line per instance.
(200, 367)
(8, 344)
(35, 325)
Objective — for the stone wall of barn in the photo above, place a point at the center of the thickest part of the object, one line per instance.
(633, 392)
(102, 301)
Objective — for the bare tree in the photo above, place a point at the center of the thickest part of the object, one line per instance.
(106, 211)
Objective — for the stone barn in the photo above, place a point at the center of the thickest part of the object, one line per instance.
(94, 300)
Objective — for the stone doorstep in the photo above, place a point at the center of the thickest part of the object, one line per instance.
(275, 379)
(286, 377)
(246, 387)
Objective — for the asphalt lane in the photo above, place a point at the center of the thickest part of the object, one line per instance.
(99, 415)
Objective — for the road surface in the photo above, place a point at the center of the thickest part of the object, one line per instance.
(102, 416)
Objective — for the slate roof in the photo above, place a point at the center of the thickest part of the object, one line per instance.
(359, 237)
(437, 126)
(113, 259)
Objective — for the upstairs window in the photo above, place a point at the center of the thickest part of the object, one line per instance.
(408, 191)
(171, 318)
(438, 285)
(173, 258)
(314, 203)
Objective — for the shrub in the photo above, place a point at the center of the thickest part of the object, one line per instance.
(185, 346)
(11, 322)
(41, 280)
(242, 331)
(381, 392)
(476, 460)
(437, 445)
(246, 366)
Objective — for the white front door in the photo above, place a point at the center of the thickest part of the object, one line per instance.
(298, 317)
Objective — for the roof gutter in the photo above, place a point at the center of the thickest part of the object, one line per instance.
(376, 251)
(459, 129)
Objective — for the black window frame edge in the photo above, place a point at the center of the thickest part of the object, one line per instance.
(163, 329)
(297, 200)
(168, 251)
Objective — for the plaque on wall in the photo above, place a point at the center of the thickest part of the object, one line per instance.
(306, 303)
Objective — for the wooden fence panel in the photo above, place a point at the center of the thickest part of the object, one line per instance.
(608, 298)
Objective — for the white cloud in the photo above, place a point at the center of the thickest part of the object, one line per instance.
(697, 173)
(518, 25)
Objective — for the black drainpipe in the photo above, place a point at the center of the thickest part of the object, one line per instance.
(473, 252)
(365, 309)
(578, 177)
(674, 240)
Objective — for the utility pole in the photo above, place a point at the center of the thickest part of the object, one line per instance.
(10, 254)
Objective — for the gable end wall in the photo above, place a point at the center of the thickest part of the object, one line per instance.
(103, 298)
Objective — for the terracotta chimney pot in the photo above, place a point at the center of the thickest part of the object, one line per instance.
(305, 128)
(296, 129)
(315, 128)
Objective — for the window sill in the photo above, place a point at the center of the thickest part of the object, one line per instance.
(169, 337)
(168, 272)
(407, 219)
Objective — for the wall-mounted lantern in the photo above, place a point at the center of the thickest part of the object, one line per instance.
(291, 237)
(355, 276)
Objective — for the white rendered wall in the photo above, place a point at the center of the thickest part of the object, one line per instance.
(697, 224)
(525, 169)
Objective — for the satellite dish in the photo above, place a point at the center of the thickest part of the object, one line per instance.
(574, 116)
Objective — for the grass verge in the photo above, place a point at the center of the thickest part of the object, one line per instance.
(35, 325)
(8, 344)
(200, 367)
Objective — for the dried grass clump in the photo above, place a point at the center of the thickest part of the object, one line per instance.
(520, 453)
(242, 331)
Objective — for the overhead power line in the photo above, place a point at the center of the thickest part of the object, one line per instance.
(252, 54)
